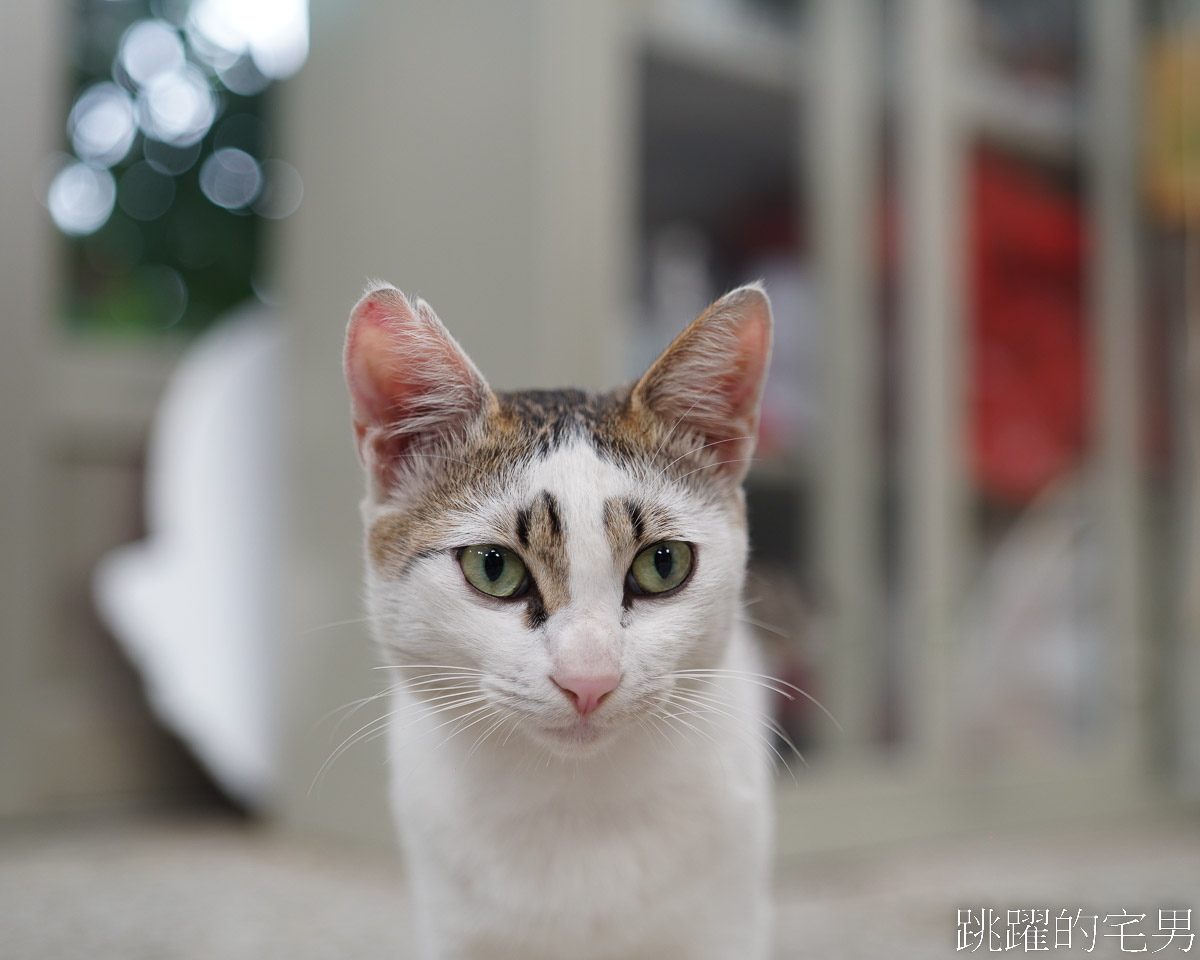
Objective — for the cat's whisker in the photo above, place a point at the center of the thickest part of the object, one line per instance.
(769, 627)
(763, 718)
(353, 706)
(446, 693)
(491, 712)
(751, 677)
(445, 708)
(461, 692)
(405, 683)
(486, 733)
(518, 719)
(429, 666)
(344, 746)
(753, 736)
(719, 463)
(380, 722)
(457, 722)
(359, 705)
(675, 716)
(693, 675)
(743, 718)
(465, 716)
(698, 449)
(379, 725)
(344, 623)
(647, 724)
(435, 683)
(671, 714)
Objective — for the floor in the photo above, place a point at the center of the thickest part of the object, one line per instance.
(216, 890)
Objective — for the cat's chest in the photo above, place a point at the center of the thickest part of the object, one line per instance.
(629, 871)
(606, 836)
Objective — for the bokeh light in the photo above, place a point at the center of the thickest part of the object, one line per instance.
(149, 49)
(244, 77)
(81, 199)
(274, 33)
(231, 178)
(178, 107)
(101, 124)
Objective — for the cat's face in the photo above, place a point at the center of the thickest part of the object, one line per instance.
(553, 557)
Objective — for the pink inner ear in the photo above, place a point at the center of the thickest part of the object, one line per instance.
(750, 358)
(372, 310)
(377, 391)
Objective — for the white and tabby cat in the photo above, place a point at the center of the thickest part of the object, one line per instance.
(555, 577)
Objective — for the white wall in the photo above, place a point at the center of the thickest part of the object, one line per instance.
(30, 82)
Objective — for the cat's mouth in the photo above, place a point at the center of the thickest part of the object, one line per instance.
(582, 733)
(580, 738)
(582, 730)
(588, 732)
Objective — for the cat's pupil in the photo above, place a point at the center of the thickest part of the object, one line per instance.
(493, 564)
(663, 561)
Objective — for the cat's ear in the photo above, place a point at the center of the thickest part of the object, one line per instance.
(410, 382)
(710, 379)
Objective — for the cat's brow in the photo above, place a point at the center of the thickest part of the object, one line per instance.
(629, 522)
(636, 519)
(539, 521)
(552, 513)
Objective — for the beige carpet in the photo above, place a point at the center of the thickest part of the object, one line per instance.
(221, 891)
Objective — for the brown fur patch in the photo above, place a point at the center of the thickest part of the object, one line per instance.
(630, 525)
(389, 544)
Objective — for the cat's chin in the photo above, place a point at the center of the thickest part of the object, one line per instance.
(580, 739)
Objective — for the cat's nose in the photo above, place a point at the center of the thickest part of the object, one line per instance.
(586, 691)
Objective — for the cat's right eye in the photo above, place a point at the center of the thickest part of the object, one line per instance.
(494, 570)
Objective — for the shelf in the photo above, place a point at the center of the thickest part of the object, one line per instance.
(736, 46)
(1043, 118)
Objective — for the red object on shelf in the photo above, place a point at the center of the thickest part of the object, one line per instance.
(1030, 373)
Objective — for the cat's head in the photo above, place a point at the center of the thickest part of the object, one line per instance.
(559, 554)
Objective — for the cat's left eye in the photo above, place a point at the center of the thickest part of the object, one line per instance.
(494, 570)
(660, 568)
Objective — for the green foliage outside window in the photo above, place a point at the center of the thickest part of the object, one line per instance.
(172, 170)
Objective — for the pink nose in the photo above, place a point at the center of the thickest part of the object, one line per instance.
(586, 691)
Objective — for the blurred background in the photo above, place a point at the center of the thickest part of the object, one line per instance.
(974, 514)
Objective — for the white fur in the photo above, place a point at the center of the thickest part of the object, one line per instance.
(642, 837)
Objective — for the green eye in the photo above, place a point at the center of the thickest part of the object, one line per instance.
(660, 568)
(493, 570)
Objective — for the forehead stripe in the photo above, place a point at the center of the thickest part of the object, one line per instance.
(523, 526)
(636, 519)
(552, 513)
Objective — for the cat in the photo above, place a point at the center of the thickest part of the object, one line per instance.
(555, 578)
